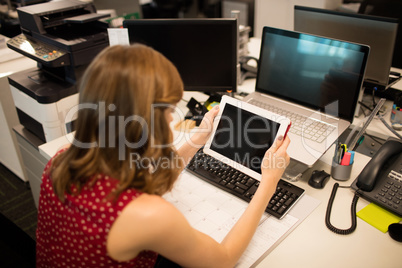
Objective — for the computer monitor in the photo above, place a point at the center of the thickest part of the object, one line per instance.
(246, 8)
(203, 50)
(377, 32)
(389, 9)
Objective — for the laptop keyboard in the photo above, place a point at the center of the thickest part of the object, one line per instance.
(241, 185)
(301, 125)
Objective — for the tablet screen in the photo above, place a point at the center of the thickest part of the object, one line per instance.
(244, 137)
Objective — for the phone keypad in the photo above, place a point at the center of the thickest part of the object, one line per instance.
(391, 192)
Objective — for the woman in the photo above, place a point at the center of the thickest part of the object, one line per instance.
(100, 201)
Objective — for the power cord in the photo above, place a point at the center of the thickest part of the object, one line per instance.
(375, 139)
(352, 211)
(388, 126)
(379, 116)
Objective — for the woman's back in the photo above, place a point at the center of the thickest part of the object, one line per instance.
(79, 227)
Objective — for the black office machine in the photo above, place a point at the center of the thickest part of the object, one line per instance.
(63, 37)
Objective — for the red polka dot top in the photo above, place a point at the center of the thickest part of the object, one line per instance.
(73, 233)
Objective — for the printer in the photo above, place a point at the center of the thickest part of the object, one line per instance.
(63, 37)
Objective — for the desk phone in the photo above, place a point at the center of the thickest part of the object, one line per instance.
(381, 180)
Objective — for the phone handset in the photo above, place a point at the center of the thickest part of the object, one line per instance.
(367, 178)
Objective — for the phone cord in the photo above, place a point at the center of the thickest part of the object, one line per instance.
(352, 211)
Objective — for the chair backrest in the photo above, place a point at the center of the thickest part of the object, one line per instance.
(391, 9)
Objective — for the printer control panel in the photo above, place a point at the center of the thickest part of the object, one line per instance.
(46, 54)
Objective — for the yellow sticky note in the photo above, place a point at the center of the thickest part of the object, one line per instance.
(378, 217)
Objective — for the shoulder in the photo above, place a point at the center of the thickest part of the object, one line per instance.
(147, 211)
(56, 155)
(144, 222)
(159, 217)
(149, 208)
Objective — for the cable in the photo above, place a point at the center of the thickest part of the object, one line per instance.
(363, 111)
(352, 212)
(376, 139)
(373, 95)
(389, 127)
(365, 106)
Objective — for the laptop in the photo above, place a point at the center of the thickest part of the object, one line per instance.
(315, 81)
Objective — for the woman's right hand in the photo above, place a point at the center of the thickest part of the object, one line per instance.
(275, 160)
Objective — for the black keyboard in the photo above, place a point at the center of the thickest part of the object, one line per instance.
(241, 185)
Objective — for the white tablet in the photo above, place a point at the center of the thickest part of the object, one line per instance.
(242, 133)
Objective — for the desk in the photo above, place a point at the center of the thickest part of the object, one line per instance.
(399, 84)
(311, 244)
(10, 62)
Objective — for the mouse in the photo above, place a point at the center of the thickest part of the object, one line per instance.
(318, 179)
(395, 231)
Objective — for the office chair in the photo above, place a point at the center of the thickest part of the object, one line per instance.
(391, 9)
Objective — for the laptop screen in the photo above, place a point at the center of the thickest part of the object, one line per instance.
(320, 73)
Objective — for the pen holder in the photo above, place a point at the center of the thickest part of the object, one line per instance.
(396, 116)
(340, 172)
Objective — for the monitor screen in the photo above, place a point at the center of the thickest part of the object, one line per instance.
(312, 71)
(377, 32)
(203, 50)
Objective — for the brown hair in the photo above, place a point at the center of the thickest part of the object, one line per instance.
(121, 86)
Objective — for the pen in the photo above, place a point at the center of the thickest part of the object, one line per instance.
(343, 150)
(336, 152)
(340, 155)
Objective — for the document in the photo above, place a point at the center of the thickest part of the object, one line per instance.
(214, 212)
(118, 36)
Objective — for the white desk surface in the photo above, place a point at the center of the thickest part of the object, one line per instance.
(311, 244)
(13, 62)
